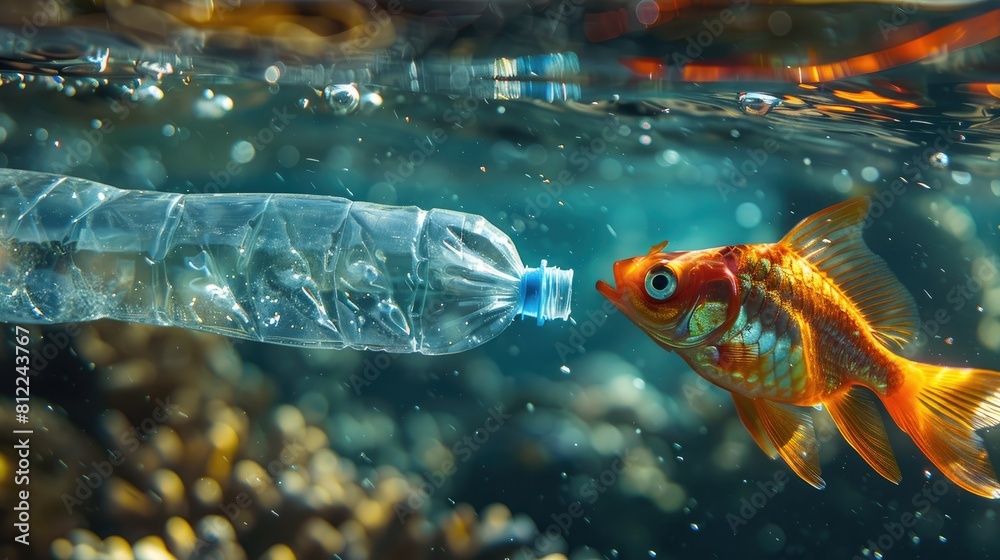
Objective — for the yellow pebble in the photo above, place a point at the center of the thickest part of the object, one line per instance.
(61, 549)
(207, 491)
(321, 533)
(151, 548)
(278, 552)
(169, 487)
(180, 537)
(117, 548)
(125, 499)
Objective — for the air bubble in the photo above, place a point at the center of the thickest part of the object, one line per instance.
(939, 160)
(757, 104)
(343, 98)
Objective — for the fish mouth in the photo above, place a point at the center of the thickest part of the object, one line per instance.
(612, 292)
(608, 291)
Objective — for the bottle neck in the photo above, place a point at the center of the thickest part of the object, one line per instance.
(546, 293)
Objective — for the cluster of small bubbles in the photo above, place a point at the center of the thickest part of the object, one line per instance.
(939, 160)
(343, 99)
(147, 93)
(757, 104)
(212, 105)
(153, 69)
(14, 78)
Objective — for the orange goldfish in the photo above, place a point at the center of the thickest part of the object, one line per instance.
(812, 320)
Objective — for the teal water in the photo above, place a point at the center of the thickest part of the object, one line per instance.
(583, 156)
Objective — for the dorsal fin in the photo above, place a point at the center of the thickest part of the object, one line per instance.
(831, 241)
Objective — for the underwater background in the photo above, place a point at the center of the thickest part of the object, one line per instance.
(587, 131)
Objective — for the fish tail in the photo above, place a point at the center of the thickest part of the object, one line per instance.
(941, 408)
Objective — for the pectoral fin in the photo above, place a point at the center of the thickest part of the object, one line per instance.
(789, 432)
(861, 424)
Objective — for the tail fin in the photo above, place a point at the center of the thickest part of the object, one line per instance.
(941, 408)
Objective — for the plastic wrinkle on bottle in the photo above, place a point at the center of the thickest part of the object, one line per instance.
(299, 270)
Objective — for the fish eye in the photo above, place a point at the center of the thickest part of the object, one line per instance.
(660, 283)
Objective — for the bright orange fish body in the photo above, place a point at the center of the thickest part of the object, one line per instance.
(807, 321)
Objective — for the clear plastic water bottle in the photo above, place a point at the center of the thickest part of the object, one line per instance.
(288, 269)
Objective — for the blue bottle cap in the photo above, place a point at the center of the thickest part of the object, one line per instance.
(546, 293)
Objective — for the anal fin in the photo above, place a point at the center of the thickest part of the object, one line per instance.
(790, 432)
(859, 421)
